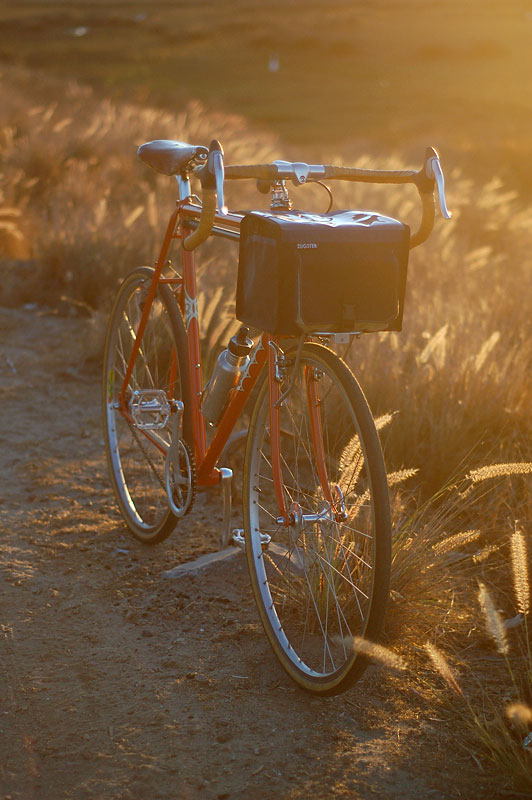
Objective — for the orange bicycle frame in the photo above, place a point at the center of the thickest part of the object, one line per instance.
(185, 287)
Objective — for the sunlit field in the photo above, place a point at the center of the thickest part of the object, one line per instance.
(365, 77)
(453, 390)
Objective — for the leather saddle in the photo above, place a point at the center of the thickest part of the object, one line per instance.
(169, 157)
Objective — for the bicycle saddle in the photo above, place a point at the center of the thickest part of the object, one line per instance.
(167, 156)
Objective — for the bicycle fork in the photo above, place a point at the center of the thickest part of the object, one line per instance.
(294, 516)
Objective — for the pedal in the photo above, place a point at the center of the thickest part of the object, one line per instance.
(149, 409)
(238, 538)
(265, 540)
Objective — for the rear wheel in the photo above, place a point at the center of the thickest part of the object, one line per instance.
(319, 582)
(136, 455)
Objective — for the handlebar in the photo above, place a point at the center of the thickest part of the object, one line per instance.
(213, 173)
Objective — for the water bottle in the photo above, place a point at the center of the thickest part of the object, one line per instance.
(225, 375)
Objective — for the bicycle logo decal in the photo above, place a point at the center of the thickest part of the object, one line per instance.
(191, 309)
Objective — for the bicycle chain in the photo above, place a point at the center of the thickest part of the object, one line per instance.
(193, 475)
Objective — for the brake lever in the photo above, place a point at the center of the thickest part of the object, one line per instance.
(217, 166)
(211, 173)
(434, 171)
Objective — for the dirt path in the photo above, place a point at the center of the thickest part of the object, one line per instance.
(117, 682)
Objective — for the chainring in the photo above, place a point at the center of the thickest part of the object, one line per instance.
(180, 492)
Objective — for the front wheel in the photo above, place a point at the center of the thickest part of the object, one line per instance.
(322, 580)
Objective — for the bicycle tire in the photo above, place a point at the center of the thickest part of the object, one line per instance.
(318, 587)
(136, 466)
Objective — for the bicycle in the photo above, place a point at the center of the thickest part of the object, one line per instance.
(317, 527)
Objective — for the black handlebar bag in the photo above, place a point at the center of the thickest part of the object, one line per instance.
(301, 272)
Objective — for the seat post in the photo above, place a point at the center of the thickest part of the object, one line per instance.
(183, 184)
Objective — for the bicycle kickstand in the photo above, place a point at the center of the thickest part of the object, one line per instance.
(226, 476)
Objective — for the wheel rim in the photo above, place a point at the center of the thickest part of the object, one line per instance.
(137, 456)
(315, 579)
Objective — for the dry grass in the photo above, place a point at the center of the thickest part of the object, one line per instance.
(378, 653)
(365, 76)
(463, 360)
(73, 195)
(520, 572)
(442, 666)
(493, 709)
(453, 391)
(492, 713)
